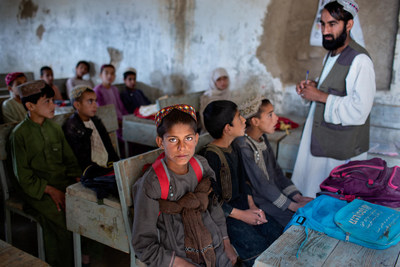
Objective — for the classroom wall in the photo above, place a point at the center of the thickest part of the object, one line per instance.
(174, 44)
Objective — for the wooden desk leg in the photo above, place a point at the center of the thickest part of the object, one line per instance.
(126, 143)
(77, 249)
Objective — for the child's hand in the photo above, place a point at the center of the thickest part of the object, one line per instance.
(57, 196)
(249, 216)
(78, 179)
(180, 262)
(230, 252)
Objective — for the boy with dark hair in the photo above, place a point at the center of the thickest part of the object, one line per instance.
(46, 74)
(132, 97)
(44, 165)
(82, 68)
(90, 142)
(272, 191)
(12, 108)
(250, 230)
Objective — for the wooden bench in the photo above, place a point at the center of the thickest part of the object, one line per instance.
(322, 250)
(11, 256)
(152, 93)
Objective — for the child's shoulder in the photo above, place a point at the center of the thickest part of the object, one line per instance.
(149, 184)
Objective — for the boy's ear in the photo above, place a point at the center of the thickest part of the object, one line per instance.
(197, 138)
(76, 104)
(226, 129)
(254, 121)
(9, 88)
(30, 106)
(159, 142)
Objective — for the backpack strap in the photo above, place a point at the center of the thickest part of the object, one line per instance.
(224, 173)
(160, 168)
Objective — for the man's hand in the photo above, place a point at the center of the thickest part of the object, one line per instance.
(230, 252)
(308, 90)
(57, 196)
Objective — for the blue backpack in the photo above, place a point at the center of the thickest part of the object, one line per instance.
(360, 222)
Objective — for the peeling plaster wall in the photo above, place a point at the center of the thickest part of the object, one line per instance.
(174, 44)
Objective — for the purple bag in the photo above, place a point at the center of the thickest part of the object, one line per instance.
(370, 180)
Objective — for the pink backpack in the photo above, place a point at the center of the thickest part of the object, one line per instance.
(370, 180)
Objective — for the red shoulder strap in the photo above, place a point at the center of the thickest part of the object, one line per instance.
(196, 165)
(161, 172)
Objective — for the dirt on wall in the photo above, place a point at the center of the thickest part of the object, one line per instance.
(27, 9)
(285, 50)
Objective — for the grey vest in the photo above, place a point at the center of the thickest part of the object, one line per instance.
(334, 140)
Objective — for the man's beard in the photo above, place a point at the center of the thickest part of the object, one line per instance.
(334, 44)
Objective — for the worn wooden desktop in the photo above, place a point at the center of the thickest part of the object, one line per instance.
(322, 250)
(12, 256)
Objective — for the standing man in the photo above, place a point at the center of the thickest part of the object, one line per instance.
(337, 126)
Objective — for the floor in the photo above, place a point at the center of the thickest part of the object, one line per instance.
(24, 238)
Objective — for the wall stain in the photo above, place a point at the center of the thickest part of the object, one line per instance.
(39, 31)
(116, 56)
(180, 16)
(284, 45)
(27, 9)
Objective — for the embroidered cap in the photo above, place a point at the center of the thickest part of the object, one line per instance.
(182, 107)
(77, 91)
(250, 107)
(348, 5)
(31, 88)
(12, 76)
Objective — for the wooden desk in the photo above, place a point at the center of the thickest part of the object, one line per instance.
(322, 250)
(12, 256)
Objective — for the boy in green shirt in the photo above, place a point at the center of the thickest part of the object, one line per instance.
(44, 165)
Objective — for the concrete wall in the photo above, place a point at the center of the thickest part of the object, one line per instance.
(175, 44)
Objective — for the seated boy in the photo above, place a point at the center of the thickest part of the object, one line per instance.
(46, 74)
(272, 191)
(176, 220)
(132, 97)
(250, 230)
(90, 142)
(44, 165)
(12, 108)
(82, 68)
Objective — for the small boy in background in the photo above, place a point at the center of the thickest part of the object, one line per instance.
(82, 68)
(108, 93)
(90, 142)
(44, 165)
(12, 108)
(272, 191)
(132, 97)
(46, 74)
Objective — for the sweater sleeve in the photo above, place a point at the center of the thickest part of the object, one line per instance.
(214, 208)
(261, 185)
(31, 184)
(145, 238)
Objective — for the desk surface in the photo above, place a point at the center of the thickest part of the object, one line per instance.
(322, 250)
(12, 256)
